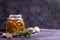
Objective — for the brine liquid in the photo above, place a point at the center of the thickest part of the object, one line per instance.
(13, 26)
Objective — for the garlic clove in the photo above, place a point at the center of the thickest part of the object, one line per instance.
(4, 34)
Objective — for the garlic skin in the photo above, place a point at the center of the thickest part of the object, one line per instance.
(37, 29)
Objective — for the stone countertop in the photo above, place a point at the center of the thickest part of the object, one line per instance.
(44, 34)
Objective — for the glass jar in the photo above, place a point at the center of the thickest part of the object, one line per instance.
(15, 24)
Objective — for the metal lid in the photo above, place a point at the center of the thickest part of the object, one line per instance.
(15, 17)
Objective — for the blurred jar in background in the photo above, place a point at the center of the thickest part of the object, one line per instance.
(15, 24)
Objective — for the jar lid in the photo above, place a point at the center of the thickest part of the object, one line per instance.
(18, 19)
(15, 16)
(11, 18)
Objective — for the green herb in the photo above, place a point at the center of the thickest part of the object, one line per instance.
(25, 34)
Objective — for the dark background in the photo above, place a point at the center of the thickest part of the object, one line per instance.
(42, 13)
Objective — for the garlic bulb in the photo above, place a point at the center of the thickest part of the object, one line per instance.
(31, 29)
(7, 35)
(37, 29)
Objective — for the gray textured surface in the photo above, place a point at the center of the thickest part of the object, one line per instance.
(44, 34)
(43, 13)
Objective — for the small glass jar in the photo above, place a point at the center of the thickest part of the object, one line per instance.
(15, 24)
